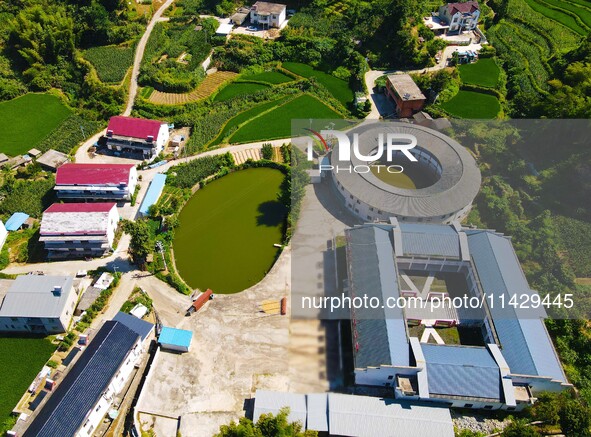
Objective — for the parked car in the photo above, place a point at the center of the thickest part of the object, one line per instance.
(252, 28)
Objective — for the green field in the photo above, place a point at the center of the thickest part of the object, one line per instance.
(227, 231)
(238, 89)
(337, 87)
(28, 119)
(21, 359)
(272, 77)
(277, 123)
(555, 14)
(111, 62)
(485, 73)
(469, 104)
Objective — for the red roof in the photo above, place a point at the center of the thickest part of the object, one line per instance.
(134, 127)
(464, 8)
(93, 174)
(81, 207)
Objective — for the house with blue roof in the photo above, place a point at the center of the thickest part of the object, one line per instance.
(16, 221)
(178, 340)
(424, 274)
(153, 194)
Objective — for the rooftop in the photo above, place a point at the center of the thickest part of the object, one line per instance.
(268, 8)
(67, 408)
(139, 326)
(153, 193)
(173, 336)
(16, 220)
(52, 159)
(463, 8)
(93, 174)
(76, 219)
(405, 87)
(36, 296)
(134, 127)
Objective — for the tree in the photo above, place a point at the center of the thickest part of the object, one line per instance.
(267, 151)
(519, 428)
(141, 240)
(574, 418)
(267, 426)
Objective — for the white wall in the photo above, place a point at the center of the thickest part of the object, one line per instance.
(132, 182)
(3, 234)
(163, 134)
(112, 225)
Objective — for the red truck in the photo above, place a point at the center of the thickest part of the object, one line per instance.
(200, 301)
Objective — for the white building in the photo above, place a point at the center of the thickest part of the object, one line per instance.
(460, 16)
(96, 181)
(38, 304)
(137, 135)
(3, 234)
(74, 230)
(87, 392)
(268, 14)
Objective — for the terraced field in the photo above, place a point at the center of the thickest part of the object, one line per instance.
(205, 89)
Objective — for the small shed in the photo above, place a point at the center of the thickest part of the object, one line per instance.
(175, 339)
(52, 159)
(3, 159)
(35, 153)
(153, 194)
(224, 29)
(16, 221)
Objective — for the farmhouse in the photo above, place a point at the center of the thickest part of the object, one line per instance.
(504, 355)
(96, 181)
(267, 14)
(38, 304)
(405, 94)
(73, 230)
(52, 159)
(89, 389)
(137, 135)
(460, 16)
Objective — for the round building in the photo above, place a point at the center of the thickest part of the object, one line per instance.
(438, 187)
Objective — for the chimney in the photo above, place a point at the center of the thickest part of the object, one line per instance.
(57, 290)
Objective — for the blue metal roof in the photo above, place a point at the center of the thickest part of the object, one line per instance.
(67, 408)
(176, 337)
(381, 333)
(15, 221)
(139, 326)
(430, 240)
(462, 371)
(153, 193)
(525, 343)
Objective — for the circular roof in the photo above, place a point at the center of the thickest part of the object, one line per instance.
(456, 188)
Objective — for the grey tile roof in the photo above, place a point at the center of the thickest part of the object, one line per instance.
(66, 409)
(33, 296)
(317, 405)
(139, 326)
(364, 416)
(457, 187)
(381, 333)
(430, 240)
(462, 371)
(525, 343)
(266, 402)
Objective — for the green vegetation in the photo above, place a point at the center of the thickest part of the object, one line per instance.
(227, 231)
(22, 359)
(191, 173)
(23, 127)
(31, 196)
(138, 296)
(559, 15)
(238, 89)
(575, 238)
(337, 87)
(111, 62)
(267, 426)
(277, 123)
(485, 73)
(470, 104)
(96, 308)
(271, 77)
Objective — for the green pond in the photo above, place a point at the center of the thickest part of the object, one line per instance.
(227, 231)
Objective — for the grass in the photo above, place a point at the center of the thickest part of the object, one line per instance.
(111, 62)
(277, 123)
(337, 87)
(227, 231)
(272, 77)
(575, 239)
(21, 358)
(557, 15)
(28, 119)
(485, 73)
(470, 104)
(238, 89)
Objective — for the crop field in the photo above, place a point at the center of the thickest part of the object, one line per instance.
(28, 119)
(272, 77)
(111, 62)
(277, 123)
(21, 358)
(205, 89)
(238, 89)
(485, 73)
(247, 115)
(575, 239)
(337, 87)
(469, 104)
(559, 14)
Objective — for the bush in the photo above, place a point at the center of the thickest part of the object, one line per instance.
(52, 364)
(190, 173)
(267, 151)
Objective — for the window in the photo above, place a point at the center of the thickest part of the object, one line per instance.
(356, 210)
(390, 377)
(371, 208)
(369, 217)
(350, 196)
(488, 407)
(468, 405)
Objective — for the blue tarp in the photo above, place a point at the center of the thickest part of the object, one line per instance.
(175, 337)
(16, 220)
(153, 193)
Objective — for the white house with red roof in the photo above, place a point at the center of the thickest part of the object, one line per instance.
(460, 16)
(96, 181)
(137, 135)
(74, 230)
